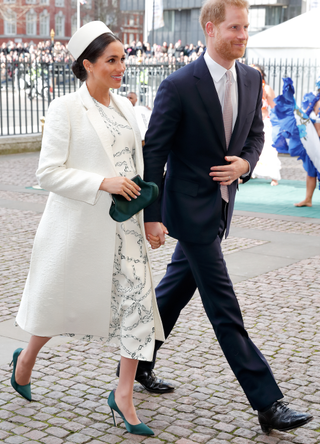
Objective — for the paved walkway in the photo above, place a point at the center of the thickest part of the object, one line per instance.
(274, 262)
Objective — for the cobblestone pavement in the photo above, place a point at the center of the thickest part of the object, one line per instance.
(71, 382)
(24, 197)
(312, 229)
(19, 169)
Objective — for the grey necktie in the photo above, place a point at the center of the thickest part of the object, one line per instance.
(227, 122)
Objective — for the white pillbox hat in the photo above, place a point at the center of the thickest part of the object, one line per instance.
(82, 38)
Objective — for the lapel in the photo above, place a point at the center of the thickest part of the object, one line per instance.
(103, 132)
(243, 92)
(210, 99)
(97, 123)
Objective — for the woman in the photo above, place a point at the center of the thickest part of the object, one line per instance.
(297, 132)
(269, 164)
(88, 274)
(171, 50)
(311, 107)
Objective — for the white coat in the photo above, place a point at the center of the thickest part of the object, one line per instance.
(68, 289)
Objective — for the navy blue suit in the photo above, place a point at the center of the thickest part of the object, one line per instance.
(186, 131)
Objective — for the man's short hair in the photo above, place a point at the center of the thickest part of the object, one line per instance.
(215, 11)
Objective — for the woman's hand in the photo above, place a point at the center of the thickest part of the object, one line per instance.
(120, 185)
(154, 242)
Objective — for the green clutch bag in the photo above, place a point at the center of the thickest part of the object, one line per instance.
(122, 209)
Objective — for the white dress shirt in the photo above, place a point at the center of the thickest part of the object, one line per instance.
(219, 79)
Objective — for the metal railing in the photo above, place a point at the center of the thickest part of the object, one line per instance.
(304, 74)
(27, 88)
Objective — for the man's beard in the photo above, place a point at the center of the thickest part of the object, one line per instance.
(227, 50)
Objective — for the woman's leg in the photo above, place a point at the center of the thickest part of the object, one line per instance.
(311, 186)
(124, 391)
(27, 359)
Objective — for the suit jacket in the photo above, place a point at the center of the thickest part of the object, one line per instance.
(186, 130)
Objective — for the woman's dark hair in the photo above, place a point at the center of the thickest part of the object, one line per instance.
(92, 53)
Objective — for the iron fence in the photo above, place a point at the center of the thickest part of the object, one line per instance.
(303, 73)
(27, 88)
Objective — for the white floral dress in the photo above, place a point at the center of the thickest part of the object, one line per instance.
(132, 320)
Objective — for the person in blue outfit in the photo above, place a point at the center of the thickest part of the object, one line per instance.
(297, 130)
(207, 127)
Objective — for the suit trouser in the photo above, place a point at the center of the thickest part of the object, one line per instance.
(203, 266)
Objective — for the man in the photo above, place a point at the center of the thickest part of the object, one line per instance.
(164, 48)
(132, 51)
(207, 126)
(178, 48)
(142, 113)
(132, 96)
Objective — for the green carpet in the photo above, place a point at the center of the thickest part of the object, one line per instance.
(35, 187)
(259, 196)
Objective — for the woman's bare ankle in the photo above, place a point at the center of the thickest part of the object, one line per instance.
(126, 406)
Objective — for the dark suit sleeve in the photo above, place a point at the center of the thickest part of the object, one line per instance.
(159, 139)
(255, 140)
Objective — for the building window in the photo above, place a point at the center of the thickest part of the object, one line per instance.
(273, 15)
(257, 18)
(115, 3)
(9, 1)
(88, 5)
(73, 24)
(10, 22)
(168, 18)
(59, 3)
(31, 23)
(44, 23)
(59, 21)
(73, 4)
(31, 2)
(44, 2)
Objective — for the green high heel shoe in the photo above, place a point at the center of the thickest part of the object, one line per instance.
(139, 429)
(23, 390)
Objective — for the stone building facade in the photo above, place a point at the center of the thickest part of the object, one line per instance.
(181, 17)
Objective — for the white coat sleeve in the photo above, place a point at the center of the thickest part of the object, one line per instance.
(53, 173)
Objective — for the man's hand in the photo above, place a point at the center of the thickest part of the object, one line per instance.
(155, 233)
(226, 174)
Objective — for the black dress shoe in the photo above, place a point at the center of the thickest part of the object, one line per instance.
(150, 382)
(280, 417)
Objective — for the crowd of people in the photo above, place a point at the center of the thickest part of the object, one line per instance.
(29, 52)
(137, 52)
(166, 53)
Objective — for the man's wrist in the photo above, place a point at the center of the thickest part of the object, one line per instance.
(249, 169)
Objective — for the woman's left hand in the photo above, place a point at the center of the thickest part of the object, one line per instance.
(154, 241)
